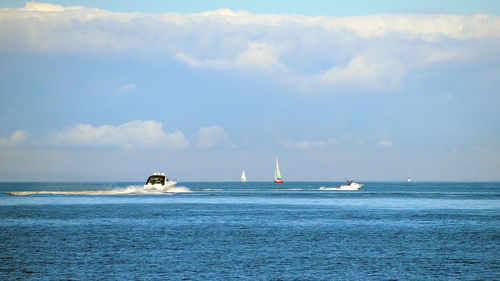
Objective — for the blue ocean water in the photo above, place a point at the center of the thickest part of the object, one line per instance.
(250, 231)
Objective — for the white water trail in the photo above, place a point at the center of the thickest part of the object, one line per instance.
(132, 189)
(179, 189)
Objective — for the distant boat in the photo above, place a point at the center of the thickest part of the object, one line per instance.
(243, 176)
(408, 179)
(277, 173)
(350, 185)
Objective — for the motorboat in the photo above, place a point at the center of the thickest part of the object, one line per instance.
(350, 185)
(160, 182)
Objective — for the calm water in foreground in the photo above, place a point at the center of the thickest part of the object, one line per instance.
(250, 231)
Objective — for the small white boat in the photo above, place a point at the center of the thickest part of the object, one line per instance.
(160, 182)
(350, 185)
(243, 177)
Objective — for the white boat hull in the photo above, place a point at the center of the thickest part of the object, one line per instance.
(352, 186)
(160, 187)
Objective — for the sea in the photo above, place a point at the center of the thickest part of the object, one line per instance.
(250, 231)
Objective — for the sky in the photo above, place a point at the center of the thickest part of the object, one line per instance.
(201, 90)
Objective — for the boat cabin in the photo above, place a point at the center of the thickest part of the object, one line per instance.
(157, 179)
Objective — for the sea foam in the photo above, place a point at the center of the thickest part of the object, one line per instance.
(132, 189)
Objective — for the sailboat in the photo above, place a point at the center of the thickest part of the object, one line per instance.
(243, 176)
(277, 173)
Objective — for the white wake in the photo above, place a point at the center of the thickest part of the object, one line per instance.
(132, 189)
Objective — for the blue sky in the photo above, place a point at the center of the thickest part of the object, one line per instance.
(113, 90)
(310, 8)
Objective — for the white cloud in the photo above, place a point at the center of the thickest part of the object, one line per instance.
(126, 88)
(17, 138)
(308, 144)
(362, 71)
(419, 27)
(384, 142)
(210, 63)
(374, 52)
(480, 149)
(213, 137)
(146, 134)
(42, 7)
(257, 55)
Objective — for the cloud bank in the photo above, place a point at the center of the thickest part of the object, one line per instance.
(17, 138)
(370, 52)
(142, 134)
(131, 135)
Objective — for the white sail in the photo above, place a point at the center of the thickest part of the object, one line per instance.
(277, 172)
(243, 176)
